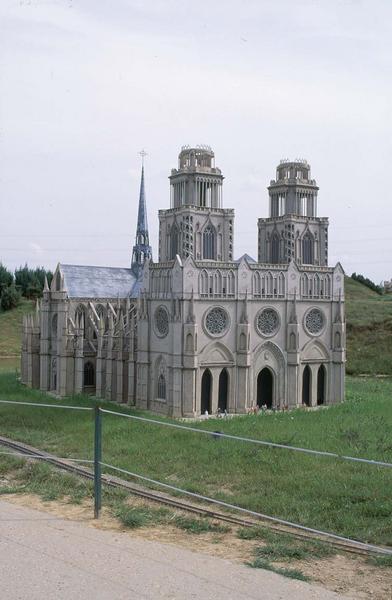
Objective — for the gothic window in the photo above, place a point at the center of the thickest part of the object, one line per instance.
(230, 283)
(293, 342)
(269, 284)
(256, 284)
(209, 243)
(275, 249)
(189, 343)
(267, 322)
(80, 319)
(337, 340)
(281, 283)
(54, 327)
(307, 249)
(88, 374)
(216, 321)
(204, 282)
(218, 283)
(314, 321)
(162, 387)
(162, 321)
(58, 281)
(174, 242)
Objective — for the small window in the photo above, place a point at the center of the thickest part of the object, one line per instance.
(161, 387)
(89, 374)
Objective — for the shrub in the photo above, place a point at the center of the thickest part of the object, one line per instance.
(10, 298)
(6, 277)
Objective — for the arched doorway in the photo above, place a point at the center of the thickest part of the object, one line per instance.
(206, 385)
(223, 389)
(88, 375)
(265, 387)
(321, 385)
(306, 385)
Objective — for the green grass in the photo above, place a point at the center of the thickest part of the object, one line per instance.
(134, 517)
(369, 330)
(346, 498)
(193, 525)
(11, 328)
(261, 563)
(380, 561)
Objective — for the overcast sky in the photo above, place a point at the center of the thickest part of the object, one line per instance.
(86, 84)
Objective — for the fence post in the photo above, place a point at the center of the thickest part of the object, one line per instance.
(97, 461)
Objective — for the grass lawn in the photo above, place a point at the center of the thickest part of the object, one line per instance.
(369, 330)
(346, 498)
(11, 328)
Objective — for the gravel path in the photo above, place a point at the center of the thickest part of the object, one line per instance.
(42, 556)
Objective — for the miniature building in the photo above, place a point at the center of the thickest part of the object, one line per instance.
(198, 331)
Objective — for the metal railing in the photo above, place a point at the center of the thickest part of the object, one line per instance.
(98, 463)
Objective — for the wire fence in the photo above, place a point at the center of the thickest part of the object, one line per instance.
(99, 463)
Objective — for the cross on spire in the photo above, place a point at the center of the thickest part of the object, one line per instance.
(143, 153)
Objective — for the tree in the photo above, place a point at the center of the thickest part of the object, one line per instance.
(6, 277)
(10, 297)
(31, 281)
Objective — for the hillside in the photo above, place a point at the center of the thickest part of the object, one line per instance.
(369, 330)
(11, 328)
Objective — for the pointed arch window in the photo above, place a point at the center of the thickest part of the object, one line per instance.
(89, 374)
(162, 387)
(209, 243)
(275, 249)
(307, 249)
(174, 242)
(204, 282)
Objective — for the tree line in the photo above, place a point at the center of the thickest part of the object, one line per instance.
(23, 282)
(368, 282)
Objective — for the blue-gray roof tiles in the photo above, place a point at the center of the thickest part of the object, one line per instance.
(99, 282)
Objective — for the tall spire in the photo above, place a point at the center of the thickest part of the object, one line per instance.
(142, 249)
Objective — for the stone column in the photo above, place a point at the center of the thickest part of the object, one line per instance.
(313, 399)
(79, 362)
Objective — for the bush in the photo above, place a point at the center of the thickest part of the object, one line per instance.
(10, 298)
(6, 278)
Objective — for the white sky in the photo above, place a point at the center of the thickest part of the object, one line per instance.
(85, 84)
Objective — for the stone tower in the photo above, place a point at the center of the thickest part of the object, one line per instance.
(293, 230)
(142, 249)
(196, 225)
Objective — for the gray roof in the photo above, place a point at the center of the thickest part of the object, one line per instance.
(99, 282)
(248, 258)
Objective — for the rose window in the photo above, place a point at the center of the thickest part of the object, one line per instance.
(216, 321)
(314, 321)
(268, 321)
(162, 321)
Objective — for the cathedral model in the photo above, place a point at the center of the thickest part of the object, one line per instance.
(199, 331)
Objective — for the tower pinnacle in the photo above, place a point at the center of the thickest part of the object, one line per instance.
(142, 249)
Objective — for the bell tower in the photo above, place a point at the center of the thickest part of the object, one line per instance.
(196, 224)
(293, 230)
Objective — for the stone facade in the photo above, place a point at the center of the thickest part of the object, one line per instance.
(198, 331)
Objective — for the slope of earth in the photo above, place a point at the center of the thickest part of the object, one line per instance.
(369, 330)
(11, 328)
